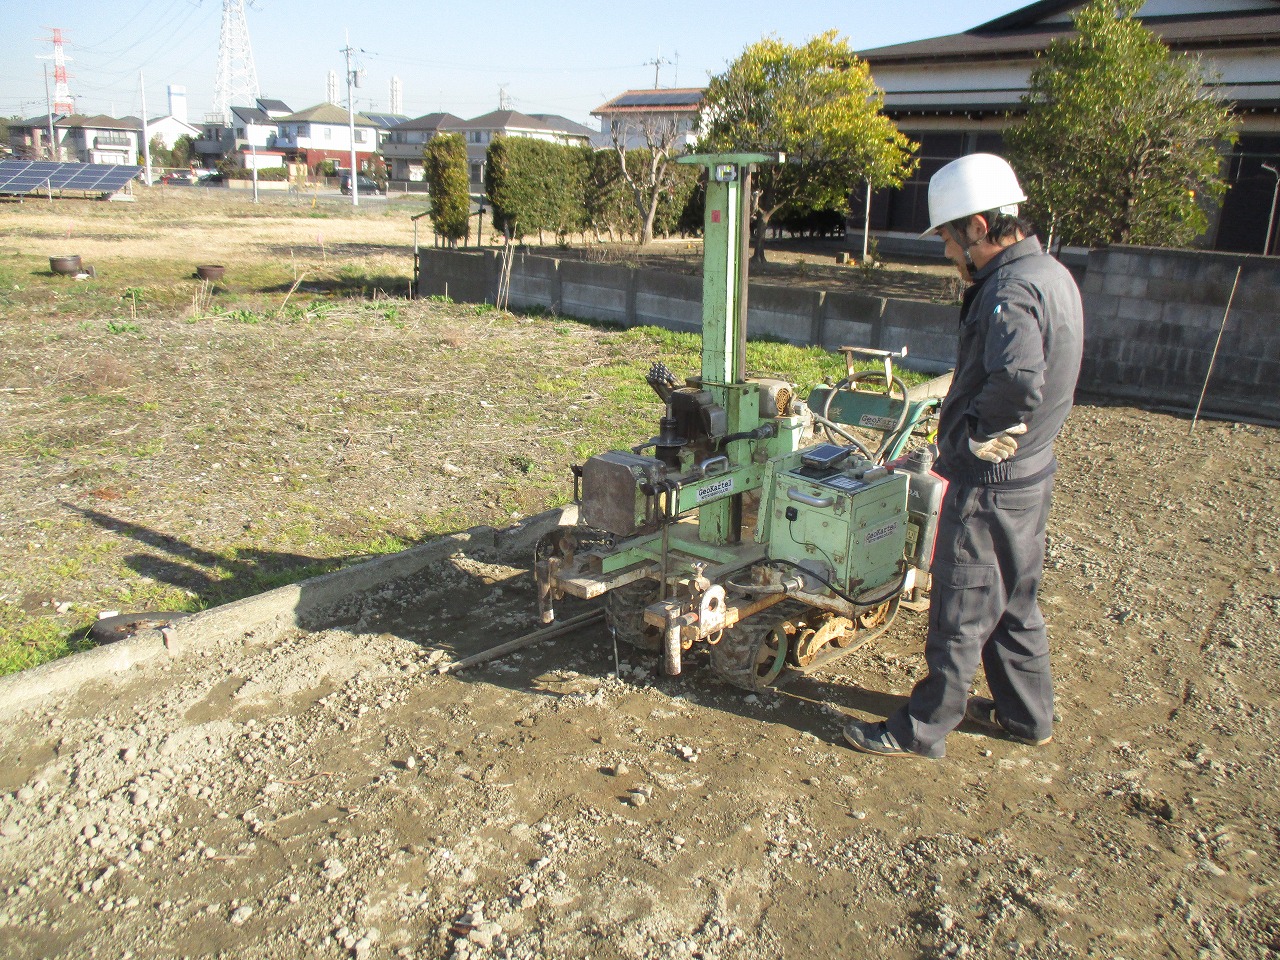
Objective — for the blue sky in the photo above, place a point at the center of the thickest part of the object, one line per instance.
(550, 56)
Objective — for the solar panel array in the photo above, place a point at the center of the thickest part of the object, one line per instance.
(385, 119)
(21, 177)
(663, 98)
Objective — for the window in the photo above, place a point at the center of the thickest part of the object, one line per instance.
(362, 136)
(328, 133)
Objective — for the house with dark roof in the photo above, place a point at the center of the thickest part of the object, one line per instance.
(323, 132)
(636, 117)
(88, 139)
(479, 133)
(957, 94)
(252, 130)
(405, 142)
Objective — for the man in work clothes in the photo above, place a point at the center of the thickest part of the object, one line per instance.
(1021, 333)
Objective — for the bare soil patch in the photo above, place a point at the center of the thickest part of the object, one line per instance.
(796, 262)
(327, 794)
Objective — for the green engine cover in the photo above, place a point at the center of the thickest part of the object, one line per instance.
(837, 522)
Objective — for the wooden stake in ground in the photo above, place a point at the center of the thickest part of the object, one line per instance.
(1222, 329)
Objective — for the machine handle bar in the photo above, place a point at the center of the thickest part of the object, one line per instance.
(799, 496)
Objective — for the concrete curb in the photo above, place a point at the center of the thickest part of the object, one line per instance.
(265, 615)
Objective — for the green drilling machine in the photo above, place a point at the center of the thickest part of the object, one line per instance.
(766, 527)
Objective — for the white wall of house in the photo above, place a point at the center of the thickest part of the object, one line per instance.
(325, 136)
(257, 134)
(169, 129)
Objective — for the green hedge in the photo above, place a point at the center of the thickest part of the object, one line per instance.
(446, 174)
(536, 186)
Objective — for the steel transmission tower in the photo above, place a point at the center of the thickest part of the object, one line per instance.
(237, 83)
(62, 99)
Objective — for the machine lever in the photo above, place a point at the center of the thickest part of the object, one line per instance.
(799, 496)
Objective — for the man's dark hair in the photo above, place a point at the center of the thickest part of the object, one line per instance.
(1000, 226)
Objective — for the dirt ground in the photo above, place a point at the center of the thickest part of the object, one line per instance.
(326, 793)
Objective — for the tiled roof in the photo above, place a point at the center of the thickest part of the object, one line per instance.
(679, 99)
(504, 120)
(325, 113)
(1020, 34)
(563, 124)
(430, 121)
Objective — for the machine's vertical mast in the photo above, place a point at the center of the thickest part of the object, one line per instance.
(724, 307)
(724, 266)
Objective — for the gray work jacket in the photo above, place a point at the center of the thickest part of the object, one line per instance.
(1021, 336)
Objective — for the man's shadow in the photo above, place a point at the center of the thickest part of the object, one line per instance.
(211, 577)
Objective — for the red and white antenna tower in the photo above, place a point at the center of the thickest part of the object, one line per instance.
(62, 99)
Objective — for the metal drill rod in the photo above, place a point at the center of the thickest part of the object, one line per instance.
(528, 640)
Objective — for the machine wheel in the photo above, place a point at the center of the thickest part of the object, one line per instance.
(751, 655)
(624, 613)
(816, 631)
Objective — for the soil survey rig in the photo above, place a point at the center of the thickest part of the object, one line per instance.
(736, 526)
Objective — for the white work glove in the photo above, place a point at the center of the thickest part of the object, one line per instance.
(1000, 447)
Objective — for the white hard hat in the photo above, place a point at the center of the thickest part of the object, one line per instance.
(973, 184)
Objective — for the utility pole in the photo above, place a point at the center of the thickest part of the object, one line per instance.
(351, 120)
(48, 104)
(657, 62)
(146, 139)
(1271, 220)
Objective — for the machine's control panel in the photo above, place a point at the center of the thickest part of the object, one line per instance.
(842, 481)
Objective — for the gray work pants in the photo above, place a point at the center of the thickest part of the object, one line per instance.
(988, 560)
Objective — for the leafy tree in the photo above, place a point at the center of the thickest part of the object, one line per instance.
(161, 156)
(184, 148)
(1121, 139)
(819, 105)
(447, 181)
(651, 171)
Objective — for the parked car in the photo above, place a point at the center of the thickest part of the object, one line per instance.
(178, 179)
(364, 184)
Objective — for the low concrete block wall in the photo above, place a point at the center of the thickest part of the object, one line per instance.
(461, 276)
(597, 291)
(786, 313)
(929, 331)
(632, 297)
(1152, 318)
(670, 300)
(535, 282)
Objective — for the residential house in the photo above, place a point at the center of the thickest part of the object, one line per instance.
(323, 132)
(957, 94)
(76, 137)
(252, 130)
(94, 139)
(406, 141)
(645, 118)
(479, 133)
(29, 139)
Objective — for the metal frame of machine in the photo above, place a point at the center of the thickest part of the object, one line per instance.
(732, 527)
